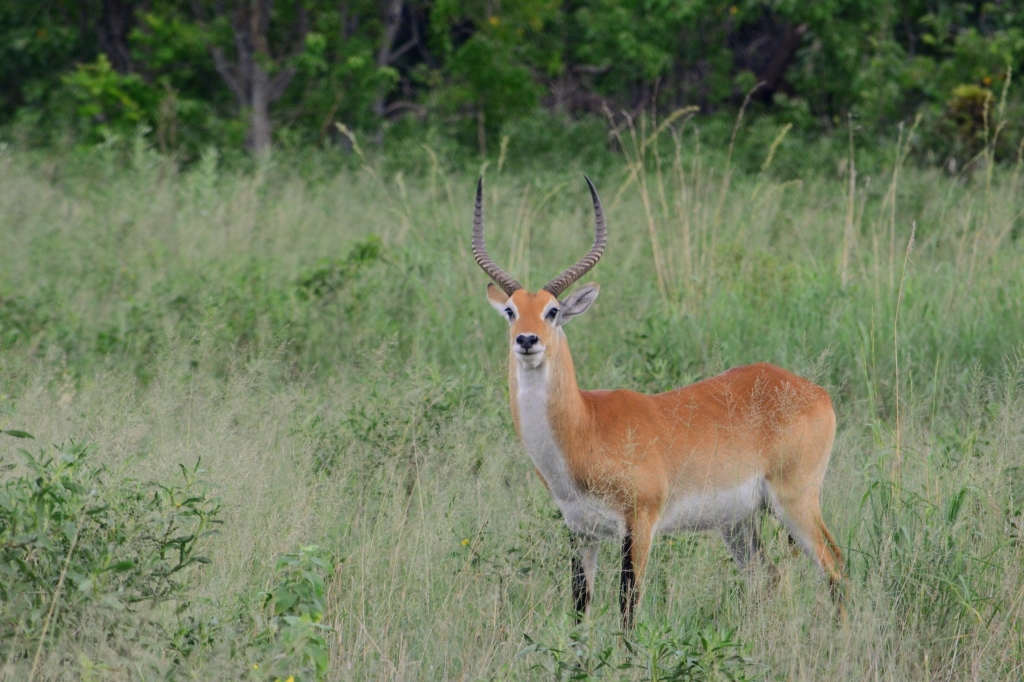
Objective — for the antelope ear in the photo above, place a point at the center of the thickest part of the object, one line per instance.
(498, 298)
(579, 301)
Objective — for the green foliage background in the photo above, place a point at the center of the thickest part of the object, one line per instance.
(82, 72)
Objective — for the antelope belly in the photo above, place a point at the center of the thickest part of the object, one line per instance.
(592, 517)
(712, 508)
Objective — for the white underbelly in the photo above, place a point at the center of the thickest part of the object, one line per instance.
(591, 516)
(712, 509)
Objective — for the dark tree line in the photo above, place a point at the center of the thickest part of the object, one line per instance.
(227, 72)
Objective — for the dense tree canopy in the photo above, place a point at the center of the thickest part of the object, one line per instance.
(251, 72)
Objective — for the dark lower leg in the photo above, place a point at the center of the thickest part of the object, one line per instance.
(627, 585)
(580, 598)
(580, 593)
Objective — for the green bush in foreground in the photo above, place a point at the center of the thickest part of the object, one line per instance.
(660, 653)
(80, 547)
(74, 537)
(291, 641)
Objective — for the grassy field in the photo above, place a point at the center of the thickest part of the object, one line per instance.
(321, 345)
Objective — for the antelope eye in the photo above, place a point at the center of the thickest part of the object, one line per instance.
(511, 315)
(552, 314)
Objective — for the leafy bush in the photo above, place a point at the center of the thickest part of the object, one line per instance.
(20, 320)
(73, 536)
(291, 641)
(331, 275)
(706, 654)
(653, 653)
(107, 103)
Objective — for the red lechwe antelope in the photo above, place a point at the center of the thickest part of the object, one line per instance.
(626, 466)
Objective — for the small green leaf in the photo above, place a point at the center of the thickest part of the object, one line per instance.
(285, 601)
(17, 434)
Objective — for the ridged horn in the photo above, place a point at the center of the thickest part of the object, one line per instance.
(583, 266)
(500, 277)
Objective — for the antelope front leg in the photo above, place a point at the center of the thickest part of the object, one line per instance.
(584, 570)
(636, 546)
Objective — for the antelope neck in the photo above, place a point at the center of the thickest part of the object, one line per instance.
(551, 417)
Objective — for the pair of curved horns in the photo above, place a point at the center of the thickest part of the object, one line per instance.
(558, 284)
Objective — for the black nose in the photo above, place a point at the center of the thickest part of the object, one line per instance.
(526, 341)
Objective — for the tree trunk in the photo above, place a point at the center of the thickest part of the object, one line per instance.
(254, 88)
(257, 140)
(767, 48)
(392, 22)
(791, 39)
(118, 21)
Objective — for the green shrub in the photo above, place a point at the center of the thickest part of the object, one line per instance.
(95, 543)
(651, 653)
(291, 641)
(107, 103)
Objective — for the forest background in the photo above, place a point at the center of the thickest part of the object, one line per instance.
(464, 73)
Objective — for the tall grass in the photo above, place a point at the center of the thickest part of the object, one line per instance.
(325, 347)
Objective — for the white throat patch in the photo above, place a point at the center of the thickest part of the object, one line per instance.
(583, 514)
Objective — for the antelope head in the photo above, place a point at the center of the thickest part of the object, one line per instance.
(536, 319)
